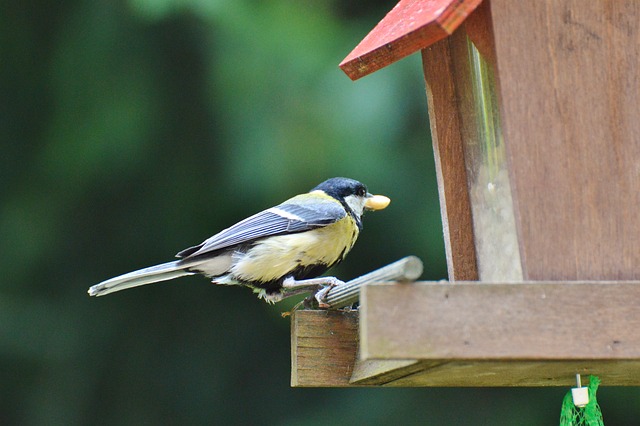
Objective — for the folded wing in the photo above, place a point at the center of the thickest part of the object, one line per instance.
(295, 215)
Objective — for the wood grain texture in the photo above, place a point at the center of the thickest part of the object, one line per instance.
(517, 373)
(409, 27)
(501, 322)
(324, 345)
(324, 352)
(470, 334)
(569, 77)
(450, 164)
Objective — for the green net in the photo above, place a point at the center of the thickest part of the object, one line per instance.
(589, 415)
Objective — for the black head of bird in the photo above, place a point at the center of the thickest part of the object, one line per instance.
(277, 252)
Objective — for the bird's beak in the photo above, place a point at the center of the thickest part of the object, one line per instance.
(376, 202)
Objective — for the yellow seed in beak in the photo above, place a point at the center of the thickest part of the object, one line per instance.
(377, 202)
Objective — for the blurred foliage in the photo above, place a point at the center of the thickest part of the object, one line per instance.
(130, 130)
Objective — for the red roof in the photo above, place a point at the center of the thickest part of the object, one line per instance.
(411, 25)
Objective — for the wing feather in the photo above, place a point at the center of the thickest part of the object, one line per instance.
(295, 215)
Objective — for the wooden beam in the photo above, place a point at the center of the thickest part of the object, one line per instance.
(409, 27)
(529, 334)
(446, 135)
(528, 321)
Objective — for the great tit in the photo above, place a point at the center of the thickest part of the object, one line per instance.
(277, 252)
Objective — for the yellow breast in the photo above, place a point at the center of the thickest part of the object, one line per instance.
(276, 257)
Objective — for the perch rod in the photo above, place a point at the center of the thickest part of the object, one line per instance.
(406, 269)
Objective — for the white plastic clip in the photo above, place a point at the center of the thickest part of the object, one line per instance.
(580, 394)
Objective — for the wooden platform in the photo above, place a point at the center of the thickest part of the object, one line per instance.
(473, 334)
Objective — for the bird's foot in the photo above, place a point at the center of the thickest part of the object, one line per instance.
(321, 295)
(322, 284)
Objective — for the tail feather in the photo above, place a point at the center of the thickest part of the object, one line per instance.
(152, 274)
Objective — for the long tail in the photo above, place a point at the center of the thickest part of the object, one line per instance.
(152, 274)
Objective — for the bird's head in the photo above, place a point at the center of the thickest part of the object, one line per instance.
(352, 194)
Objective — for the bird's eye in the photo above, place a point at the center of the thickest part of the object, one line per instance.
(362, 192)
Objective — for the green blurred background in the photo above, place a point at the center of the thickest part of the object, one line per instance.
(132, 129)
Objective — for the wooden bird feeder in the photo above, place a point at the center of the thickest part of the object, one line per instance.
(535, 120)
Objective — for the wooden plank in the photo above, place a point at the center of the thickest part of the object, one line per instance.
(450, 164)
(324, 345)
(487, 175)
(477, 373)
(568, 77)
(471, 334)
(410, 26)
(501, 322)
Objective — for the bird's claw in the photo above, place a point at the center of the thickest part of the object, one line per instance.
(321, 295)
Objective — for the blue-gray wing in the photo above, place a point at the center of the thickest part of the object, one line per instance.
(298, 214)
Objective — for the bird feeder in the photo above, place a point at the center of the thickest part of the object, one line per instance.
(534, 112)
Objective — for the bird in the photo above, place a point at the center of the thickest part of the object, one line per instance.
(278, 252)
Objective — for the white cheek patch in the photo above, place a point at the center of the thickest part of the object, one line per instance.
(355, 203)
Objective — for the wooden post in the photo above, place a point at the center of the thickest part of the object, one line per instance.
(462, 94)
(448, 148)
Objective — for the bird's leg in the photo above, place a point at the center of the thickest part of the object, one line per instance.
(292, 287)
(291, 283)
(325, 284)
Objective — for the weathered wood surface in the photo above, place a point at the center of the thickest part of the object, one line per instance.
(569, 76)
(476, 103)
(450, 165)
(324, 347)
(472, 334)
(478, 373)
(410, 26)
(501, 322)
